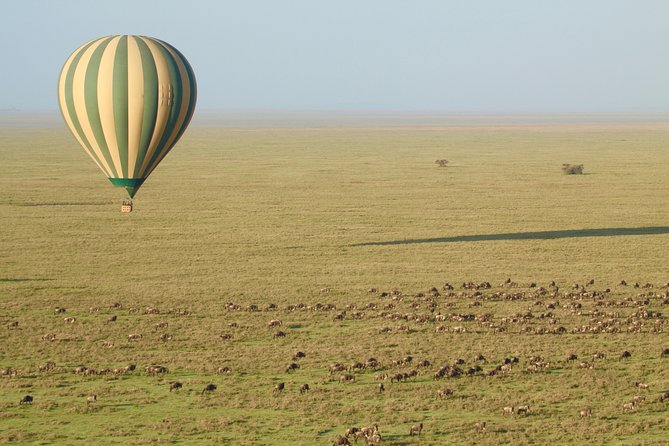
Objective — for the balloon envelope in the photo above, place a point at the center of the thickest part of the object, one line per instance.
(127, 100)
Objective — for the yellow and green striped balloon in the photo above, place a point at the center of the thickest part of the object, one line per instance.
(127, 100)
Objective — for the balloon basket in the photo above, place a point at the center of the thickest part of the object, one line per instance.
(126, 206)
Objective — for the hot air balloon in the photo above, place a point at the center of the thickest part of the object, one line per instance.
(127, 100)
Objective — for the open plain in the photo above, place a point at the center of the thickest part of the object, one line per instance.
(346, 232)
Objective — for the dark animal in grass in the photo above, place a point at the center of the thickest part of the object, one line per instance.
(154, 369)
(625, 355)
(28, 399)
(298, 355)
(346, 378)
(572, 357)
(91, 399)
(416, 429)
(665, 352)
(209, 388)
(175, 385)
(382, 388)
(341, 441)
(279, 387)
(572, 169)
(443, 393)
(292, 367)
(304, 388)
(279, 334)
(351, 431)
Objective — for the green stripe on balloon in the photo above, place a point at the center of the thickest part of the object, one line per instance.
(175, 105)
(120, 100)
(69, 99)
(193, 92)
(150, 103)
(91, 101)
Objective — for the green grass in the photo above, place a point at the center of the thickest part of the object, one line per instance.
(259, 215)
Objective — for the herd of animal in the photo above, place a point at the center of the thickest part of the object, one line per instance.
(625, 310)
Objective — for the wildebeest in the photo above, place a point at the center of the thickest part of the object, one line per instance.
(346, 378)
(28, 399)
(523, 409)
(337, 367)
(304, 388)
(91, 399)
(279, 334)
(274, 323)
(382, 388)
(625, 355)
(50, 365)
(279, 387)
(341, 441)
(480, 426)
(292, 367)
(443, 393)
(628, 407)
(209, 388)
(175, 385)
(416, 429)
(155, 369)
(508, 410)
(665, 352)
(298, 355)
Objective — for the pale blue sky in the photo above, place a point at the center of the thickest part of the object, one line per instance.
(413, 55)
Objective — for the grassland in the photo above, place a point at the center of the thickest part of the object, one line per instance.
(259, 215)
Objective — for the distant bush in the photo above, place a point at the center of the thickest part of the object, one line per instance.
(441, 163)
(572, 169)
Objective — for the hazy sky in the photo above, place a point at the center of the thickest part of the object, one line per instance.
(441, 55)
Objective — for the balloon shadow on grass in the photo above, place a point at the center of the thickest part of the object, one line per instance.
(539, 235)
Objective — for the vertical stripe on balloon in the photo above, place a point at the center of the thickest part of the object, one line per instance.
(106, 97)
(79, 100)
(163, 77)
(135, 105)
(120, 94)
(66, 102)
(150, 103)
